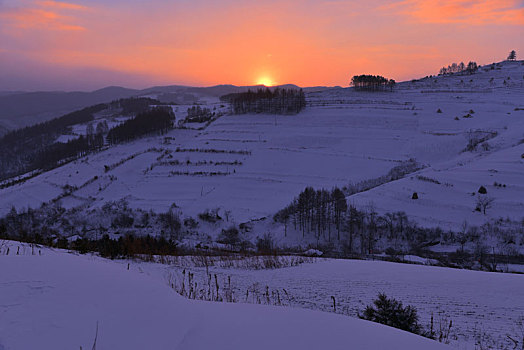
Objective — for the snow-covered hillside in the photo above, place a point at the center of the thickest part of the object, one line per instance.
(484, 308)
(55, 300)
(253, 165)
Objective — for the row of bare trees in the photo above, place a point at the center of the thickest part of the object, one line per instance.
(319, 214)
(322, 213)
(315, 211)
(453, 68)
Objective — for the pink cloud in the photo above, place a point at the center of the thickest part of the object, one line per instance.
(43, 15)
(504, 12)
(61, 5)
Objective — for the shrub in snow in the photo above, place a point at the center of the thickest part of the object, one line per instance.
(170, 222)
(210, 216)
(197, 114)
(482, 190)
(313, 252)
(190, 223)
(477, 137)
(392, 251)
(123, 220)
(439, 110)
(265, 244)
(428, 179)
(230, 236)
(415, 195)
(391, 313)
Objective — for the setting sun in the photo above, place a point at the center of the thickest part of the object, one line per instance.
(266, 81)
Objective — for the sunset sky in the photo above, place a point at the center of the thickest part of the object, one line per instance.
(85, 45)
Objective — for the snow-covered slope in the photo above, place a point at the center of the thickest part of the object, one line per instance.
(253, 165)
(55, 301)
(485, 308)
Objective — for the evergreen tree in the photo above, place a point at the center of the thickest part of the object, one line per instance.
(391, 313)
(470, 68)
(278, 101)
(156, 121)
(371, 82)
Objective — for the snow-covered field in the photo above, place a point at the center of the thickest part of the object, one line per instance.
(57, 300)
(253, 165)
(485, 308)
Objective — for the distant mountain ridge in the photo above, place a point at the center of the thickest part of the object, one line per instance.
(20, 109)
(23, 109)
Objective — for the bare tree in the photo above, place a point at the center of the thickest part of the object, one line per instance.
(90, 130)
(484, 202)
(462, 236)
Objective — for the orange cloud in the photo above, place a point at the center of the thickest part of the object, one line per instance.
(461, 11)
(46, 15)
(39, 19)
(61, 5)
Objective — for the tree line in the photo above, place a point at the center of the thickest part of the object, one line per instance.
(135, 105)
(323, 216)
(58, 152)
(197, 114)
(361, 231)
(315, 211)
(277, 101)
(155, 121)
(453, 68)
(127, 246)
(35, 147)
(366, 82)
(110, 230)
(322, 212)
(20, 149)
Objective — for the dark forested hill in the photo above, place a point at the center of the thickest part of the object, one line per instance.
(35, 147)
(18, 110)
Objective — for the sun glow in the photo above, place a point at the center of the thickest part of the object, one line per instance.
(266, 81)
